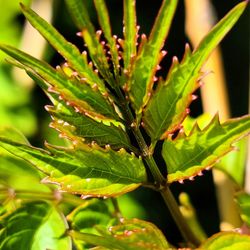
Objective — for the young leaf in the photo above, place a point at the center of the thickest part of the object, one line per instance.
(34, 226)
(95, 48)
(145, 66)
(130, 32)
(90, 171)
(243, 200)
(103, 16)
(69, 51)
(82, 96)
(168, 106)
(227, 240)
(187, 155)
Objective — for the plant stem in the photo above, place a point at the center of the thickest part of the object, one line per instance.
(173, 207)
(159, 179)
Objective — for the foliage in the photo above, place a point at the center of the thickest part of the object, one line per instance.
(114, 113)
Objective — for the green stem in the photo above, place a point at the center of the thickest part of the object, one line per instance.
(180, 221)
(159, 179)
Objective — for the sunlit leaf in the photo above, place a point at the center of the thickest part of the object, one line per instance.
(76, 93)
(168, 106)
(34, 226)
(187, 155)
(129, 32)
(243, 200)
(69, 51)
(145, 66)
(226, 240)
(103, 16)
(90, 171)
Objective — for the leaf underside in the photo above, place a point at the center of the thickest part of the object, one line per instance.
(187, 155)
(169, 104)
(89, 171)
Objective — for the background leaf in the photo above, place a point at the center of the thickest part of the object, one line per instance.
(187, 155)
(34, 226)
(226, 240)
(243, 200)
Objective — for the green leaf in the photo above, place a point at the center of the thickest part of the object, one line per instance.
(90, 171)
(104, 22)
(130, 32)
(129, 235)
(226, 241)
(139, 234)
(81, 128)
(243, 200)
(187, 155)
(69, 51)
(34, 226)
(85, 219)
(96, 50)
(168, 105)
(82, 96)
(143, 72)
(234, 163)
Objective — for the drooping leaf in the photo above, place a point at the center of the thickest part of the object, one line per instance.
(90, 171)
(34, 226)
(129, 235)
(69, 51)
(141, 82)
(243, 200)
(129, 32)
(225, 241)
(168, 105)
(187, 155)
(78, 94)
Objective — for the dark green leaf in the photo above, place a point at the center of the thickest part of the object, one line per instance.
(34, 226)
(90, 171)
(226, 240)
(145, 66)
(168, 106)
(243, 200)
(187, 155)
(69, 51)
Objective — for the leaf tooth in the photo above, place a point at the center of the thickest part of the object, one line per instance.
(107, 147)
(79, 33)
